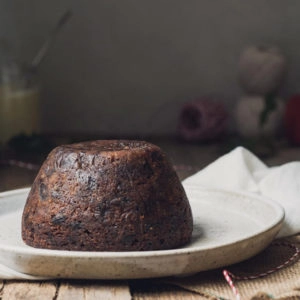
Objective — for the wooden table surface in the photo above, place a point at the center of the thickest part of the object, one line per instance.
(187, 158)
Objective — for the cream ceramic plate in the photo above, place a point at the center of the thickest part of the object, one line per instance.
(228, 228)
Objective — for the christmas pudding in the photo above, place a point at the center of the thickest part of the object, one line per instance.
(107, 195)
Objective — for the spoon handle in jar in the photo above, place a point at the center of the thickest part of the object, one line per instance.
(45, 46)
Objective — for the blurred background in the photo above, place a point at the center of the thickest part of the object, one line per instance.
(207, 75)
(125, 68)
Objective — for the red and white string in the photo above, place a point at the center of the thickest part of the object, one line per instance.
(229, 280)
(20, 164)
(183, 167)
(230, 276)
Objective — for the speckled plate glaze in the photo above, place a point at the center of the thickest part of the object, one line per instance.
(228, 228)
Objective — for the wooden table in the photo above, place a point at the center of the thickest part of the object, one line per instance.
(187, 159)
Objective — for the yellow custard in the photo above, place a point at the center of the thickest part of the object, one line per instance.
(19, 111)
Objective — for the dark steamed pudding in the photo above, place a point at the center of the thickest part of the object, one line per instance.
(107, 195)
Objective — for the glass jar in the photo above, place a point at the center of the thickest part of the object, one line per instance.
(19, 102)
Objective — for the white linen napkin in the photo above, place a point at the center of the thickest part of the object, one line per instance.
(240, 170)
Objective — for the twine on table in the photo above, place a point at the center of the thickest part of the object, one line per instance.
(34, 167)
(292, 259)
(183, 167)
(20, 164)
(31, 166)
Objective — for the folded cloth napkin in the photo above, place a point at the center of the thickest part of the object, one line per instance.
(240, 170)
